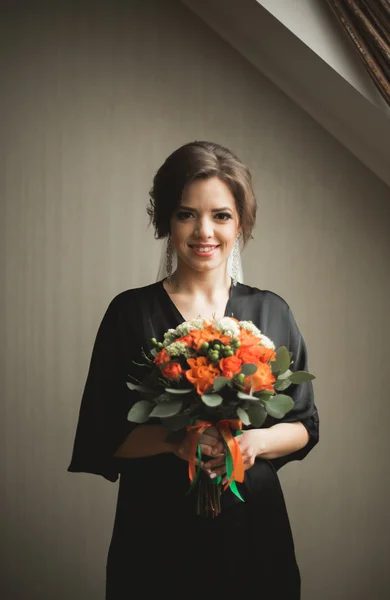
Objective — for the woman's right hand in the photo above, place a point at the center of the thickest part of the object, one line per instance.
(211, 444)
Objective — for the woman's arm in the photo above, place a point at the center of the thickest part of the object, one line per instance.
(149, 440)
(268, 443)
(145, 440)
(279, 440)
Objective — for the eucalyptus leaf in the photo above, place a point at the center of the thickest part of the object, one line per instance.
(177, 422)
(301, 377)
(219, 383)
(243, 415)
(212, 399)
(178, 391)
(139, 388)
(285, 375)
(282, 385)
(167, 409)
(248, 369)
(279, 405)
(282, 361)
(249, 397)
(257, 415)
(163, 398)
(264, 394)
(140, 411)
(153, 352)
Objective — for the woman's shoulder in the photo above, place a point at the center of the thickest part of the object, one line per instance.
(134, 297)
(263, 296)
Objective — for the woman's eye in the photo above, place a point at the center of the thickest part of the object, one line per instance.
(223, 216)
(182, 215)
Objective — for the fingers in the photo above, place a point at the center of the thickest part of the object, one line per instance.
(214, 448)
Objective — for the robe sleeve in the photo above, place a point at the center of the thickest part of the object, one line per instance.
(102, 423)
(304, 408)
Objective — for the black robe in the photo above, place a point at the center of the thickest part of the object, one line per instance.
(158, 541)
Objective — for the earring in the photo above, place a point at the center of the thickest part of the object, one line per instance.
(169, 258)
(235, 260)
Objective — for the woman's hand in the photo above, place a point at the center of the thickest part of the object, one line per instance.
(250, 443)
(211, 444)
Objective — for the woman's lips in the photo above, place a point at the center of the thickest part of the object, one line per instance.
(204, 250)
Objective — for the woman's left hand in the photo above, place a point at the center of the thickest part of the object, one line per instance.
(250, 445)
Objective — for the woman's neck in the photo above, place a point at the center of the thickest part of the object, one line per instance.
(207, 285)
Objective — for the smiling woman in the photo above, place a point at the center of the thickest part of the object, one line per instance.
(202, 201)
(205, 225)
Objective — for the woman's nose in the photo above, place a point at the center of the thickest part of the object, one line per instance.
(204, 228)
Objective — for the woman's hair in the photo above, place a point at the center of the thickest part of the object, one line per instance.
(200, 160)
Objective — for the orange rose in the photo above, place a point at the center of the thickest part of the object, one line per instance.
(268, 355)
(261, 380)
(201, 373)
(247, 338)
(207, 334)
(172, 371)
(230, 366)
(187, 340)
(162, 357)
(250, 354)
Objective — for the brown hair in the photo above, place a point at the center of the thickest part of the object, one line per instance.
(200, 160)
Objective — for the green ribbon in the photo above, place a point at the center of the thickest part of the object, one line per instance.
(228, 463)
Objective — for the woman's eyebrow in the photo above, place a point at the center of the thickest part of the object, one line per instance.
(214, 210)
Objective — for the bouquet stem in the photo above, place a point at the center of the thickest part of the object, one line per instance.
(209, 497)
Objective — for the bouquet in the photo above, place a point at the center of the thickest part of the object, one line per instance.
(223, 373)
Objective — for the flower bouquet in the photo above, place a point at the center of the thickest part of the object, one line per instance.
(223, 373)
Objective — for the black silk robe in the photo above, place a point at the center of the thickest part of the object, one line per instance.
(157, 539)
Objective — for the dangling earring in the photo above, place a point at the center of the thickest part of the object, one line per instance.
(235, 260)
(169, 258)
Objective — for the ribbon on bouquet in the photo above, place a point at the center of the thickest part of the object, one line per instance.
(234, 462)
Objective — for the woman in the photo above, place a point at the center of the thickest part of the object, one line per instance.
(202, 201)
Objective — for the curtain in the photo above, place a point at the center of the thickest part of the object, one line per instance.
(367, 24)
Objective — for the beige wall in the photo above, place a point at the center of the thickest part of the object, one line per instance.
(96, 96)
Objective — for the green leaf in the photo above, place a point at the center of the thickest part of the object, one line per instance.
(153, 352)
(243, 396)
(177, 422)
(219, 383)
(243, 415)
(178, 391)
(279, 405)
(212, 399)
(282, 385)
(167, 409)
(264, 394)
(301, 377)
(140, 411)
(285, 375)
(257, 415)
(163, 398)
(248, 369)
(139, 388)
(282, 361)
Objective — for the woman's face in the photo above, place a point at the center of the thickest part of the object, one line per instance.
(205, 224)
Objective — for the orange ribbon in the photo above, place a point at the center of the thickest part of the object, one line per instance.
(224, 426)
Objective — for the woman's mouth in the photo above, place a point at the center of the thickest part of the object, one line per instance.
(204, 250)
